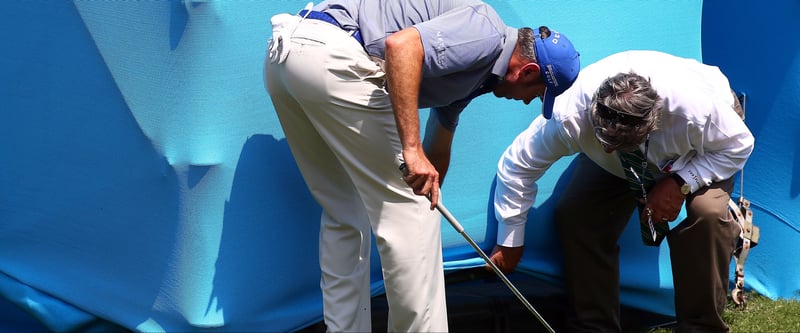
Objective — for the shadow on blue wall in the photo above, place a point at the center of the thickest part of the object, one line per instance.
(287, 266)
(178, 19)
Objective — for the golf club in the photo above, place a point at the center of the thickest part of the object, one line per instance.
(453, 222)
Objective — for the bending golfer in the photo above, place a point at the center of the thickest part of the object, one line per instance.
(682, 116)
(347, 79)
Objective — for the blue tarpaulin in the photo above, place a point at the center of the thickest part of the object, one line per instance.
(145, 180)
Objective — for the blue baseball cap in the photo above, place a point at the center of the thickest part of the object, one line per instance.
(559, 63)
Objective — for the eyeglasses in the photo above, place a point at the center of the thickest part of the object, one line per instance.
(617, 116)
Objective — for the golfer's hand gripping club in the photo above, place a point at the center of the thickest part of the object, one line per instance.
(421, 176)
(457, 226)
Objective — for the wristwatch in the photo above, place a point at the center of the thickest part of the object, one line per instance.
(685, 188)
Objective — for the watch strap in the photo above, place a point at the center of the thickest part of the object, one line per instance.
(685, 188)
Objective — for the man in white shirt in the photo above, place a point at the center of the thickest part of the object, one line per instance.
(681, 115)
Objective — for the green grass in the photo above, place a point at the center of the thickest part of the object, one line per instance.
(762, 315)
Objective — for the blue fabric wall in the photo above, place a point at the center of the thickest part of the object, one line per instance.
(146, 181)
(756, 46)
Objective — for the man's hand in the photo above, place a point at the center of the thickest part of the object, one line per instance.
(506, 258)
(665, 200)
(421, 176)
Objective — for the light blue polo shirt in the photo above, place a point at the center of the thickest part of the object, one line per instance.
(465, 42)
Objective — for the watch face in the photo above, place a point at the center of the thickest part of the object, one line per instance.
(685, 189)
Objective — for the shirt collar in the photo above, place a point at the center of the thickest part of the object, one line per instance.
(501, 65)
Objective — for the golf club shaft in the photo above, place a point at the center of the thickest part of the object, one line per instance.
(453, 222)
(450, 218)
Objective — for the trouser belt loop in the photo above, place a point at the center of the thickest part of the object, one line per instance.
(323, 16)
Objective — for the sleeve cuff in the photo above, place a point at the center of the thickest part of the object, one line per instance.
(510, 235)
(691, 177)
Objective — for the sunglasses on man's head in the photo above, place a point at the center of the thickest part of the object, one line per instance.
(610, 143)
(617, 116)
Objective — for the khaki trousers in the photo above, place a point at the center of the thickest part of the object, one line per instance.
(338, 121)
(590, 217)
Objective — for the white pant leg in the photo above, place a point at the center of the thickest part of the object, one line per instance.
(344, 241)
(345, 143)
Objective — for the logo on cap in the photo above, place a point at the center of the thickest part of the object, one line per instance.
(550, 76)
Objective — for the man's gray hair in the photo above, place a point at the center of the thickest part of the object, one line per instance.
(525, 43)
(627, 93)
(526, 39)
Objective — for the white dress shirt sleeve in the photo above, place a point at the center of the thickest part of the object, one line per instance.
(722, 146)
(522, 164)
(713, 140)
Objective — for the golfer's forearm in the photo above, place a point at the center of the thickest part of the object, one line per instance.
(404, 71)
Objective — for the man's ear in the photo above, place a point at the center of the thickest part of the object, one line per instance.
(530, 70)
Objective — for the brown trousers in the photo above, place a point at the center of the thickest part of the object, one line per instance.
(590, 217)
